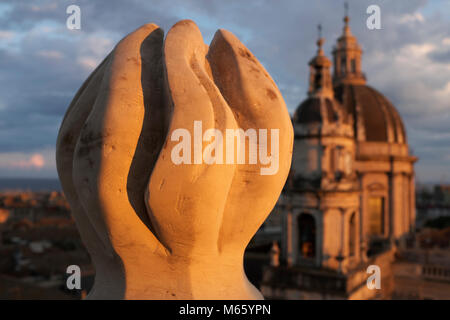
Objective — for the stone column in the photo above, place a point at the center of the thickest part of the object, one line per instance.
(288, 228)
(362, 233)
(391, 184)
(342, 255)
(275, 255)
(412, 212)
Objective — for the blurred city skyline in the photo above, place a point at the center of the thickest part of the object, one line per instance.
(43, 63)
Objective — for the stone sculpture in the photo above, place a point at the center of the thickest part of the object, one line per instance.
(156, 229)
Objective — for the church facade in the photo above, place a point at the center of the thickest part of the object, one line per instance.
(350, 198)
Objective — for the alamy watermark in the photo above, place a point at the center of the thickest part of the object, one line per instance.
(74, 280)
(235, 139)
(374, 20)
(73, 22)
(374, 281)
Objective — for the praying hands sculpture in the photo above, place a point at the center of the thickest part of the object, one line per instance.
(162, 229)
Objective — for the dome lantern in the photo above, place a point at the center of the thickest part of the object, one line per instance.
(347, 58)
(320, 84)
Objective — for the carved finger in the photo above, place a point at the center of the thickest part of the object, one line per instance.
(187, 199)
(257, 104)
(105, 151)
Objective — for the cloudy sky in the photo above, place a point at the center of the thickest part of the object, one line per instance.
(42, 63)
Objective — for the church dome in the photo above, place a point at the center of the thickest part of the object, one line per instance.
(318, 110)
(375, 118)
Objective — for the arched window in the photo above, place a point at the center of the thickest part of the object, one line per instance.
(318, 78)
(352, 235)
(353, 65)
(376, 216)
(307, 235)
(337, 162)
(343, 66)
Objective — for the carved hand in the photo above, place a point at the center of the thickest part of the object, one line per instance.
(156, 229)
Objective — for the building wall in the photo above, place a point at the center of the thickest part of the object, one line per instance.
(294, 283)
(374, 184)
(357, 283)
(380, 170)
(331, 212)
(415, 280)
(332, 238)
(306, 158)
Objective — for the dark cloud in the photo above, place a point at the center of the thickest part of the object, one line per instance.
(440, 56)
(43, 64)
